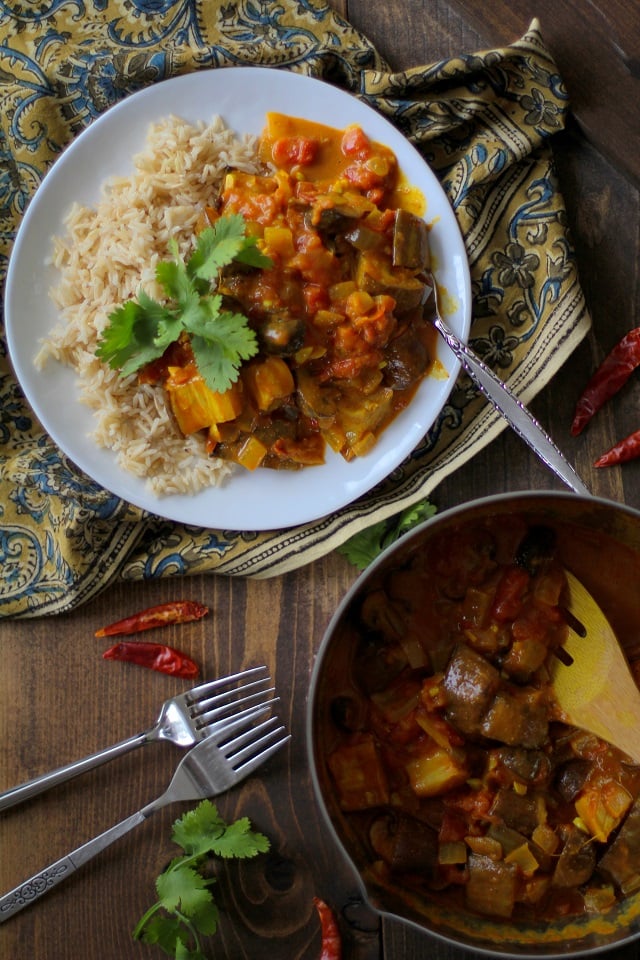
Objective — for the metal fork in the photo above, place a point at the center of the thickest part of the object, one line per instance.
(184, 720)
(233, 749)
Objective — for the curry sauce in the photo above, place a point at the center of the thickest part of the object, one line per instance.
(339, 316)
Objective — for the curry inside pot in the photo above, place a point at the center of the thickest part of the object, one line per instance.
(464, 802)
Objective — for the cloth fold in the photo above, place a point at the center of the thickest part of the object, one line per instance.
(483, 122)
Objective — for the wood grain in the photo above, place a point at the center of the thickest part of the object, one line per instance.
(59, 700)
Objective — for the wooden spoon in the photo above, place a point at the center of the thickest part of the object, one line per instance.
(597, 691)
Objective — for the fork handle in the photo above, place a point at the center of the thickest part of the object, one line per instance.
(33, 787)
(31, 890)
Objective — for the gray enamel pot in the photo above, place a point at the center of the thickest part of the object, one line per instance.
(600, 542)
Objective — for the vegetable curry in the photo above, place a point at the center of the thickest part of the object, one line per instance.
(448, 752)
(337, 315)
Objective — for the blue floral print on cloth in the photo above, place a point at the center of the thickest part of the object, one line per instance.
(481, 120)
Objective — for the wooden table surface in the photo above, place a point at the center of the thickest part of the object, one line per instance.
(59, 701)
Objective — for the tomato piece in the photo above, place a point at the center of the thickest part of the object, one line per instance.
(361, 176)
(294, 151)
(355, 143)
(509, 594)
(315, 297)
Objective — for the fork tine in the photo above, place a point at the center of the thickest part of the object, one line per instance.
(196, 693)
(229, 706)
(203, 704)
(246, 768)
(224, 728)
(245, 745)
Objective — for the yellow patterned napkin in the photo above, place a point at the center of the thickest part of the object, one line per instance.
(481, 120)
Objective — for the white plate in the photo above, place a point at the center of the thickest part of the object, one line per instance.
(242, 96)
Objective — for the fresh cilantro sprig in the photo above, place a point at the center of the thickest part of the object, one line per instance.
(141, 329)
(363, 547)
(185, 909)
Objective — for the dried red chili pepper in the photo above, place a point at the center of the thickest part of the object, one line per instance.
(154, 656)
(331, 942)
(611, 375)
(178, 611)
(627, 449)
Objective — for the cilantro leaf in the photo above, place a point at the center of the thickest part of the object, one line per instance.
(128, 336)
(192, 298)
(239, 840)
(217, 246)
(206, 917)
(414, 515)
(198, 828)
(140, 330)
(167, 324)
(165, 932)
(363, 547)
(177, 283)
(182, 888)
(185, 908)
(367, 544)
(184, 953)
(221, 348)
(252, 256)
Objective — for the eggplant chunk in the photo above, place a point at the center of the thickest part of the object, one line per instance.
(491, 888)
(621, 862)
(517, 811)
(376, 275)
(317, 402)
(471, 683)
(410, 241)
(405, 844)
(517, 717)
(407, 359)
(571, 778)
(577, 859)
(530, 766)
(363, 238)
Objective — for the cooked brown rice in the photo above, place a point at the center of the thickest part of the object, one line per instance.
(106, 255)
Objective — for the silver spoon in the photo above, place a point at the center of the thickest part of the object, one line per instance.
(508, 405)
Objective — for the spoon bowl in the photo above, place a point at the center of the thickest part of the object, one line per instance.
(597, 691)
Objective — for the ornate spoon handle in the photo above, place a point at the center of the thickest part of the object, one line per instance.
(514, 412)
(30, 890)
